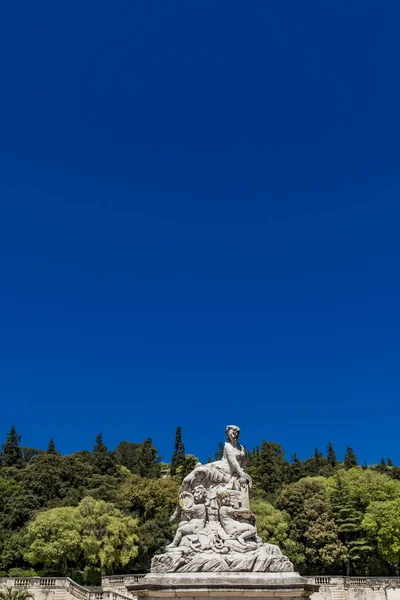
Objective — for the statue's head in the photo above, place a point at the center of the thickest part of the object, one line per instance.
(232, 432)
(199, 493)
(224, 499)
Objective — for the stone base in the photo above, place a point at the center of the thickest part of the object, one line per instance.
(223, 585)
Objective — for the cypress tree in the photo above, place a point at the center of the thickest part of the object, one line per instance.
(296, 471)
(390, 462)
(103, 462)
(51, 448)
(12, 451)
(147, 463)
(269, 468)
(178, 457)
(317, 458)
(350, 459)
(331, 455)
(348, 517)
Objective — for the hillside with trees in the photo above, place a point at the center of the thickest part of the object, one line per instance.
(106, 511)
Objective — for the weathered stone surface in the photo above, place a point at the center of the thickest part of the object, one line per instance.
(223, 585)
(217, 531)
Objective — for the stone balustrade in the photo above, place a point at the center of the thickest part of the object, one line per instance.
(115, 587)
(115, 581)
(49, 588)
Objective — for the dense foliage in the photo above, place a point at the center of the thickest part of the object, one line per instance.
(101, 511)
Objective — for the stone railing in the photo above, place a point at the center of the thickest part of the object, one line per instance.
(354, 582)
(116, 581)
(64, 583)
(116, 587)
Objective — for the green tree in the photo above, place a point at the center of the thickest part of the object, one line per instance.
(272, 524)
(153, 534)
(148, 460)
(16, 504)
(11, 549)
(28, 454)
(178, 457)
(296, 470)
(54, 538)
(109, 537)
(350, 459)
(331, 456)
(51, 448)
(318, 548)
(348, 516)
(127, 454)
(382, 523)
(12, 451)
(316, 465)
(268, 467)
(187, 467)
(143, 496)
(43, 478)
(102, 461)
(351, 492)
(366, 486)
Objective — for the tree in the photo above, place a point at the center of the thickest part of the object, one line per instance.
(366, 486)
(143, 496)
(296, 470)
(54, 538)
(351, 492)
(127, 454)
(318, 548)
(390, 462)
(382, 523)
(331, 456)
(109, 537)
(272, 524)
(102, 461)
(12, 451)
(269, 468)
(16, 504)
(153, 536)
(187, 467)
(12, 594)
(95, 530)
(11, 549)
(148, 460)
(51, 448)
(43, 478)
(350, 459)
(28, 454)
(316, 465)
(178, 457)
(348, 517)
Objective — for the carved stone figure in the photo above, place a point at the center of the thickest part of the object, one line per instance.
(228, 472)
(193, 514)
(216, 530)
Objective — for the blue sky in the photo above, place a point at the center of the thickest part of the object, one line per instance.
(199, 223)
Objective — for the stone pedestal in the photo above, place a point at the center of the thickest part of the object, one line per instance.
(232, 586)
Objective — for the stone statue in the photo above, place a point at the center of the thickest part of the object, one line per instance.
(216, 530)
(228, 472)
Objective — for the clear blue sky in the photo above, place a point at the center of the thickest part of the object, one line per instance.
(200, 215)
